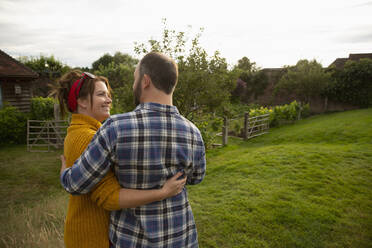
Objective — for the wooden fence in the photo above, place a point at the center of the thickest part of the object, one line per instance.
(253, 126)
(42, 135)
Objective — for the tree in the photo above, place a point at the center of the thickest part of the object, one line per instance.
(204, 82)
(255, 80)
(246, 65)
(117, 59)
(305, 80)
(353, 84)
(49, 70)
(104, 61)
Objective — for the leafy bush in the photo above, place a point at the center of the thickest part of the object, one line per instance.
(13, 126)
(353, 84)
(284, 113)
(42, 108)
(209, 126)
(208, 136)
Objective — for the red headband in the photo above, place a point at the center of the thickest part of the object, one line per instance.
(74, 93)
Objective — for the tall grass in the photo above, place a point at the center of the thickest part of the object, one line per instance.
(38, 226)
(33, 204)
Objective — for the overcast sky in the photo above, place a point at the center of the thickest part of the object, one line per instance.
(271, 33)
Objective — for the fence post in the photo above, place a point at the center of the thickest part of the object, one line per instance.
(225, 130)
(246, 124)
(299, 112)
(28, 133)
(47, 125)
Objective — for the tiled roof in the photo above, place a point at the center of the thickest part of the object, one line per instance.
(340, 62)
(358, 56)
(11, 68)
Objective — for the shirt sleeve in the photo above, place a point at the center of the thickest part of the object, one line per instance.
(94, 163)
(196, 175)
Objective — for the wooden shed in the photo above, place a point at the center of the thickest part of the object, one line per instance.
(15, 83)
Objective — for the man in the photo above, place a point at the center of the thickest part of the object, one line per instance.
(145, 147)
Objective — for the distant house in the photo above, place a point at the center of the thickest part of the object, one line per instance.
(15, 83)
(340, 62)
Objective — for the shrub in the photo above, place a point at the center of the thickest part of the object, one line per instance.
(284, 113)
(208, 136)
(13, 126)
(42, 108)
(353, 84)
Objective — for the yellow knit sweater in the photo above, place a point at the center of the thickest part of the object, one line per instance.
(88, 215)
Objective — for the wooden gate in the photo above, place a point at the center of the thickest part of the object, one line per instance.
(255, 126)
(42, 135)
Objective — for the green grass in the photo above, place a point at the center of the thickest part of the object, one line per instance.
(303, 185)
(308, 184)
(33, 203)
(27, 176)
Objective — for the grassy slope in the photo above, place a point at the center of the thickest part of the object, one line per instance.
(303, 185)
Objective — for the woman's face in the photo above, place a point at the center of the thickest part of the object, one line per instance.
(100, 109)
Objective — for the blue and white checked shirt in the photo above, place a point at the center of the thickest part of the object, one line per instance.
(145, 147)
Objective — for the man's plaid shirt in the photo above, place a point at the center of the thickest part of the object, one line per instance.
(145, 147)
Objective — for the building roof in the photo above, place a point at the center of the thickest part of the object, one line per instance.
(11, 68)
(340, 62)
(358, 56)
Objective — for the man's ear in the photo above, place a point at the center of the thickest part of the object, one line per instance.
(146, 81)
(83, 103)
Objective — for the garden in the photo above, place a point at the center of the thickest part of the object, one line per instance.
(306, 184)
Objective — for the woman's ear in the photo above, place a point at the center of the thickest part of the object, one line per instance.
(83, 103)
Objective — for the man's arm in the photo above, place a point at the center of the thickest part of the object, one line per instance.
(93, 164)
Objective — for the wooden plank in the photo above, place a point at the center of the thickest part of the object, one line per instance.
(260, 125)
(256, 135)
(45, 139)
(35, 132)
(39, 145)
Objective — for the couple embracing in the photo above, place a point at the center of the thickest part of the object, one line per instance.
(127, 177)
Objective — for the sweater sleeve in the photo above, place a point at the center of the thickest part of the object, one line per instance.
(106, 193)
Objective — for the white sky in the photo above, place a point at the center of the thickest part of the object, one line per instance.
(271, 33)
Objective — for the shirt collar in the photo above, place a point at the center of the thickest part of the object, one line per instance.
(157, 107)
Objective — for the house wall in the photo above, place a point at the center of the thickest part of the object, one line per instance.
(22, 100)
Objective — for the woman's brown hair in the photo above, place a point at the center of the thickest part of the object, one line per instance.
(87, 89)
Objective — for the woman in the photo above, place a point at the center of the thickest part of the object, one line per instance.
(87, 97)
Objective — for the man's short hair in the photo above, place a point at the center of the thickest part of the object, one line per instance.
(161, 69)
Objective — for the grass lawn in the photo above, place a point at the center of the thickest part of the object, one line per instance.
(27, 176)
(303, 185)
(33, 203)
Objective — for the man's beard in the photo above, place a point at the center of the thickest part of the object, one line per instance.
(137, 92)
